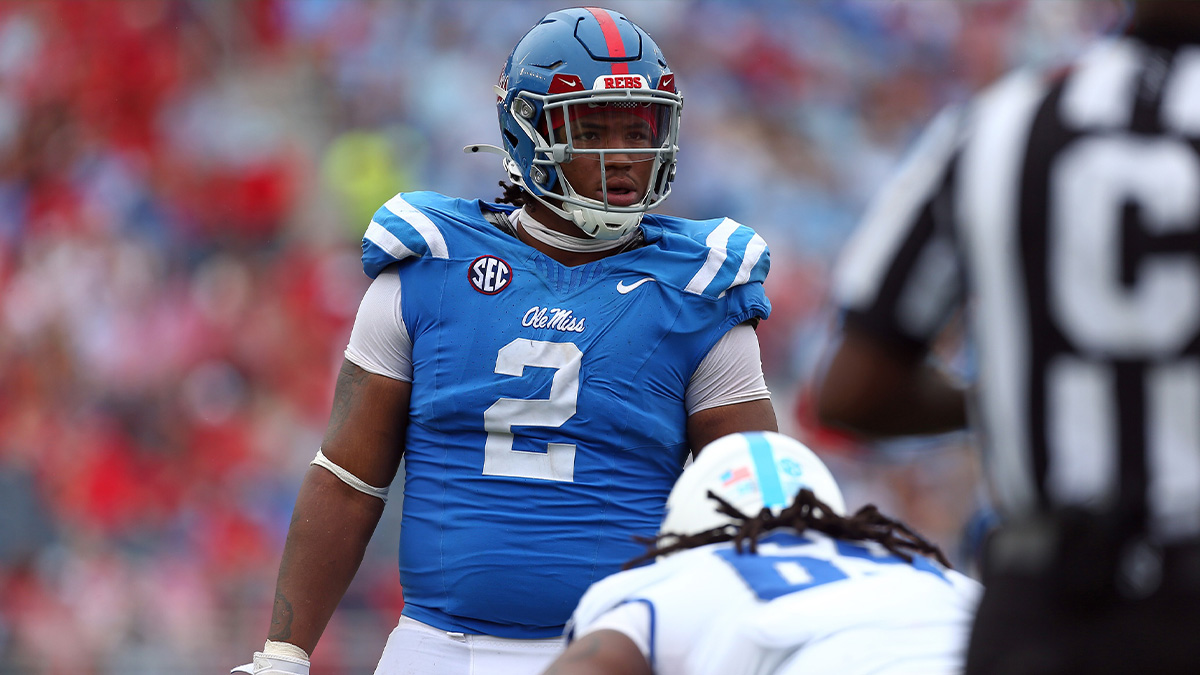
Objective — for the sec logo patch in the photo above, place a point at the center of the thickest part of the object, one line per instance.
(489, 275)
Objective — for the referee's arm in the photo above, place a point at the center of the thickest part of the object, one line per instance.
(877, 387)
(898, 289)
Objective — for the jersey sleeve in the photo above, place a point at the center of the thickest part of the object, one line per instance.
(719, 267)
(900, 276)
(731, 373)
(633, 619)
(404, 227)
(614, 591)
(379, 341)
(737, 258)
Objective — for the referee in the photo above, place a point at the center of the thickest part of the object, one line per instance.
(1059, 214)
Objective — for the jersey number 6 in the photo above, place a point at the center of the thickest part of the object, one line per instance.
(558, 462)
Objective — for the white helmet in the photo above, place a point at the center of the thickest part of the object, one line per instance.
(750, 470)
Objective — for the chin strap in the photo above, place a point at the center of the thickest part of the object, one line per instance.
(566, 242)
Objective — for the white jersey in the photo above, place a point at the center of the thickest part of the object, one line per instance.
(803, 604)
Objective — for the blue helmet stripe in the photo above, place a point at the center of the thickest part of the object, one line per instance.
(764, 466)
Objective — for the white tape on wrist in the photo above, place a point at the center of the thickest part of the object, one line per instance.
(284, 649)
(277, 658)
(279, 665)
(348, 478)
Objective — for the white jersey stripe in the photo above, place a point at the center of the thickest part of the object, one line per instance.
(890, 217)
(991, 176)
(1174, 435)
(1081, 426)
(932, 286)
(1181, 97)
(718, 242)
(754, 251)
(421, 223)
(379, 235)
(1099, 94)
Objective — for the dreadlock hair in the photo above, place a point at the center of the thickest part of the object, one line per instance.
(513, 194)
(806, 512)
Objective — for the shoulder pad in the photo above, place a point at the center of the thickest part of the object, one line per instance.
(736, 255)
(402, 229)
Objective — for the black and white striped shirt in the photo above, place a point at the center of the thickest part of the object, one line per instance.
(1063, 210)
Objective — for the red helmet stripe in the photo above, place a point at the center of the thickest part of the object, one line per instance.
(612, 37)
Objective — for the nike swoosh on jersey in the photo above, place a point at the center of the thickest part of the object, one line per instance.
(623, 289)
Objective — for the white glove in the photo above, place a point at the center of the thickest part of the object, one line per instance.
(279, 661)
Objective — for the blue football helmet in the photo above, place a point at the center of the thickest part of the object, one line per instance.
(572, 64)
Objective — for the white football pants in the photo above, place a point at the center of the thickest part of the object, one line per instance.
(415, 648)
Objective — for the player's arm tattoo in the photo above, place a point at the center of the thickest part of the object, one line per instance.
(281, 618)
(347, 393)
(281, 611)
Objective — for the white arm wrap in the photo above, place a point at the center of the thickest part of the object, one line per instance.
(348, 478)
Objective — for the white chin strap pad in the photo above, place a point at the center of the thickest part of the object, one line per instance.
(600, 224)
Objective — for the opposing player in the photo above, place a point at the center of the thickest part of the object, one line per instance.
(758, 571)
(544, 365)
(1060, 211)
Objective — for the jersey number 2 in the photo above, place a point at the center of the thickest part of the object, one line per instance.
(558, 462)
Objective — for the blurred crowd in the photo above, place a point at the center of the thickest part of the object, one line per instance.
(183, 186)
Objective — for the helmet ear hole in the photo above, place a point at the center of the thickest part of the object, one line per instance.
(523, 108)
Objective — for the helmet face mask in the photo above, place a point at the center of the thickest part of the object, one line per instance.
(751, 471)
(574, 68)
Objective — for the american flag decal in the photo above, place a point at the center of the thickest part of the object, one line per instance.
(730, 477)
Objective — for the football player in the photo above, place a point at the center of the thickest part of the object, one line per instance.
(543, 364)
(789, 583)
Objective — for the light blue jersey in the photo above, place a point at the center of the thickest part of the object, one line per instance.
(547, 422)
